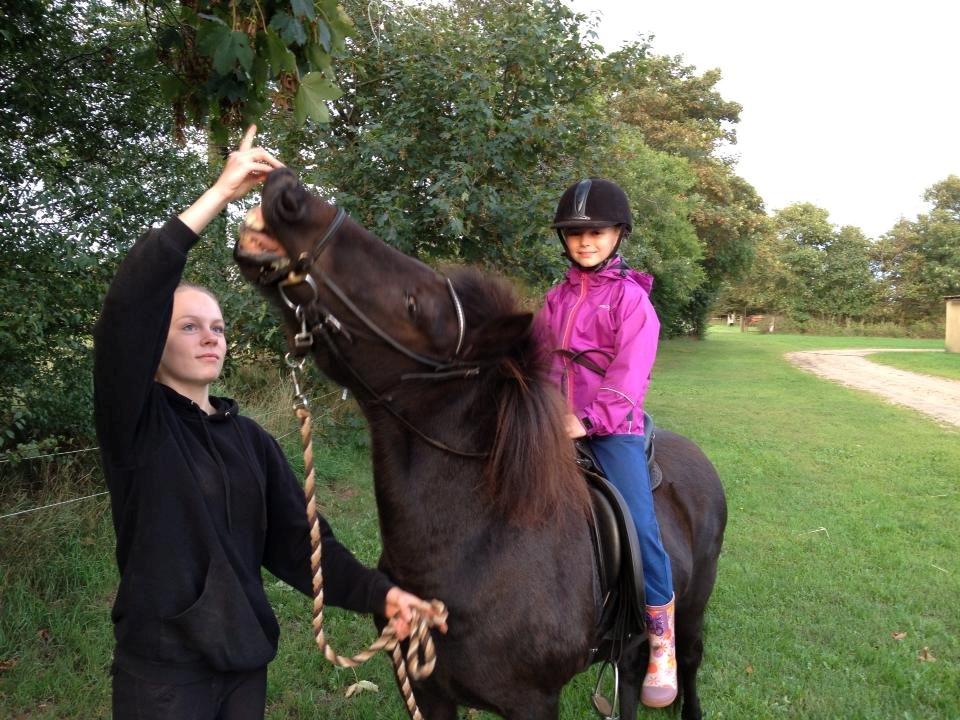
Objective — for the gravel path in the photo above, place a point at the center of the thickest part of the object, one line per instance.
(937, 397)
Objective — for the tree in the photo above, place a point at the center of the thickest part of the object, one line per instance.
(458, 123)
(763, 288)
(681, 113)
(221, 64)
(79, 172)
(847, 288)
(807, 268)
(86, 163)
(921, 259)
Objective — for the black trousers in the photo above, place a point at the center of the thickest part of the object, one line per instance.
(224, 696)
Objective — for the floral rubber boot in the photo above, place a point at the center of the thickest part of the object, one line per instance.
(660, 684)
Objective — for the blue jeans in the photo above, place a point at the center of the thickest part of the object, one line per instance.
(622, 460)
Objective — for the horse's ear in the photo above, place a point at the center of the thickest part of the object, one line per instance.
(495, 337)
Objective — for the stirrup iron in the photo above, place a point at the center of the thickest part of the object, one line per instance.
(608, 710)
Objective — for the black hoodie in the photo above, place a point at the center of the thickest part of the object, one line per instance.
(200, 502)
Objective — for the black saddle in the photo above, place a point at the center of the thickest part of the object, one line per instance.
(616, 547)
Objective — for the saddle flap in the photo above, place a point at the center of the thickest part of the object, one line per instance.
(618, 558)
(606, 539)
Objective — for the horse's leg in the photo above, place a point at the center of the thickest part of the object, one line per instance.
(536, 706)
(633, 668)
(434, 707)
(689, 655)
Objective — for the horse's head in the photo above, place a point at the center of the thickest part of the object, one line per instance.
(450, 358)
(371, 312)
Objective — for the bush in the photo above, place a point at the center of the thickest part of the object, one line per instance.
(820, 326)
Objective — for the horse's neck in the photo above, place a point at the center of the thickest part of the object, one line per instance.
(425, 496)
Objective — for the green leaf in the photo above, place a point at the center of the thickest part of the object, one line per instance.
(323, 30)
(280, 56)
(171, 87)
(210, 36)
(233, 49)
(219, 132)
(146, 58)
(342, 25)
(303, 8)
(260, 71)
(289, 28)
(319, 87)
(319, 60)
(311, 98)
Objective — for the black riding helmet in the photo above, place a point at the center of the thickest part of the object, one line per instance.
(593, 203)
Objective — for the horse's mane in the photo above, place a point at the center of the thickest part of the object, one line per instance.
(531, 477)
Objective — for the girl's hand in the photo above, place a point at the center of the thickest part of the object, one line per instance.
(398, 611)
(574, 427)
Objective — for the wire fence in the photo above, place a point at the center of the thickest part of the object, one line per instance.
(260, 419)
(49, 455)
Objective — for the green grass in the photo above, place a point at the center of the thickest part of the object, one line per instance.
(941, 364)
(841, 533)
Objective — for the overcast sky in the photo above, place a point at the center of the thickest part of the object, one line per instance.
(848, 104)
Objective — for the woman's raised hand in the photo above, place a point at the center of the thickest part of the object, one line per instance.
(246, 167)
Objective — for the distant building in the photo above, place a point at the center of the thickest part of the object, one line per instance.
(953, 323)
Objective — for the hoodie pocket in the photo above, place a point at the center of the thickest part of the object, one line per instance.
(221, 625)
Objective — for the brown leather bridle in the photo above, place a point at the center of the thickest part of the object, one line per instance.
(317, 320)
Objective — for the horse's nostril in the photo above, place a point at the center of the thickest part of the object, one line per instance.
(291, 205)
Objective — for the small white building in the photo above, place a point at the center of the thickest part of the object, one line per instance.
(953, 323)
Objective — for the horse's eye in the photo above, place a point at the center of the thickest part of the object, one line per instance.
(411, 306)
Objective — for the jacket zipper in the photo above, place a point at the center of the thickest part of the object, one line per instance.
(565, 345)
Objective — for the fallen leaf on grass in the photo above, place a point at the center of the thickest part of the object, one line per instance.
(359, 687)
(899, 635)
(43, 634)
(749, 669)
(926, 656)
(8, 664)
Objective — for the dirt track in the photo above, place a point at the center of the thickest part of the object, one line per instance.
(937, 397)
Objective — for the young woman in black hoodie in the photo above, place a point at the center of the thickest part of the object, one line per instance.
(202, 497)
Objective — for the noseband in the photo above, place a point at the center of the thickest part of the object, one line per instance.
(316, 319)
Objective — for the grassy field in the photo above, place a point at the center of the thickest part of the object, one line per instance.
(941, 364)
(838, 586)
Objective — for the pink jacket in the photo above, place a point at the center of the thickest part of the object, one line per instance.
(608, 314)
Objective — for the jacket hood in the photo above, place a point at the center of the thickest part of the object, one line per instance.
(225, 411)
(614, 270)
(223, 407)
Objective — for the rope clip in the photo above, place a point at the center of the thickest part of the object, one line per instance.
(296, 366)
(303, 339)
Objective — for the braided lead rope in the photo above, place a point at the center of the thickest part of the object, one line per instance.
(420, 641)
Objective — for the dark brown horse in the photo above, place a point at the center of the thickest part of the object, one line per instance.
(480, 501)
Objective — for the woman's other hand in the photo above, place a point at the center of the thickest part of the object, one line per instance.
(399, 607)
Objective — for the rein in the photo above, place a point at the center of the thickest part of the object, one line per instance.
(420, 642)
